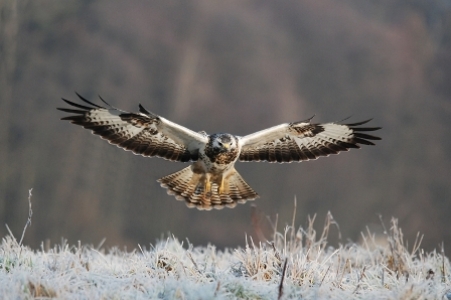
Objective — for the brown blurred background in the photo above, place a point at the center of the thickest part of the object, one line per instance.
(231, 66)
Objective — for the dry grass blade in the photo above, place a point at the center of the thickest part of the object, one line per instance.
(443, 263)
(30, 214)
(345, 267)
(282, 278)
(293, 222)
(417, 244)
(360, 279)
(324, 277)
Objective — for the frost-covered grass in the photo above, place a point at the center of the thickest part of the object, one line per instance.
(175, 270)
(293, 264)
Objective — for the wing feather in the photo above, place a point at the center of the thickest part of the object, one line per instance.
(304, 141)
(142, 133)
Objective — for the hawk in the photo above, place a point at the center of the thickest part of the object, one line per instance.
(212, 180)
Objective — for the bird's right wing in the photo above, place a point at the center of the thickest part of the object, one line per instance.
(143, 133)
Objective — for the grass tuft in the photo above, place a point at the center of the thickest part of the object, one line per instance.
(296, 263)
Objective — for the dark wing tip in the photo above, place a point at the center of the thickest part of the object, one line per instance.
(100, 97)
(72, 111)
(358, 123)
(76, 104)
(309, 119)
(345, 119)
(363, 138)
(363, 141)
(366, 136)
(303, 121)
(78, 109)
(143, 110)
(148, 113)
(87, 101)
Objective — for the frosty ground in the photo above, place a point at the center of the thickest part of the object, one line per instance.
(293, 264)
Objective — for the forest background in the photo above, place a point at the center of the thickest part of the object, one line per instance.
(227, 66)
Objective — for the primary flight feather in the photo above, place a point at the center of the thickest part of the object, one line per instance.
(212, 181)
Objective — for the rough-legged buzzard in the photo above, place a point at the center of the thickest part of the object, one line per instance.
(212, 181)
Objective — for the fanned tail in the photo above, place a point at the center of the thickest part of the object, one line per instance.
(204, 191)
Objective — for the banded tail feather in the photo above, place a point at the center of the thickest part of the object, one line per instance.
(205, 191)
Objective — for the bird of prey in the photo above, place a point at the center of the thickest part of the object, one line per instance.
(212, 180)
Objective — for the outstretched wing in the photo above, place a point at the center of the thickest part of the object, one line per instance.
(304, 141)
(142, 133)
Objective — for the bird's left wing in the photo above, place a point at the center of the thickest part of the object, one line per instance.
(303, 141)
(143, 133)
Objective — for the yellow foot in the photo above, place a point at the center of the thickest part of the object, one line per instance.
(207, 190)
(223, 186)
(208, 186)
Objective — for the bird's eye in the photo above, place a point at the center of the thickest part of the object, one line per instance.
(220, 144)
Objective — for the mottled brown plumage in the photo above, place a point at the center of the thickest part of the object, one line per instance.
(219, 155)
(212, 181)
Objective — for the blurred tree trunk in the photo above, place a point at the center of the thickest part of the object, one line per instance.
(8, 42)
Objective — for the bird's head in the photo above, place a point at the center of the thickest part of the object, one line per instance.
(223, 142)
